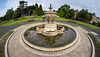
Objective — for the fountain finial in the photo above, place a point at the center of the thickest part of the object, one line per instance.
(50, 7)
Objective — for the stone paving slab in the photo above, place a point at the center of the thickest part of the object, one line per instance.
(16, 48)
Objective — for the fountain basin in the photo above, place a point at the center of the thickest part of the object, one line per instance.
(52, 44)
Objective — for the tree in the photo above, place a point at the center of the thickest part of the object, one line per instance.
(36, 5)
(71, 12)
(40, 10)
(64, 11)
(67, 15)
(22, 6)
(29, 10)
(98, 24)
(9, 14)
(17, 13)
(61, 13)
(34, 13)
(84, 15)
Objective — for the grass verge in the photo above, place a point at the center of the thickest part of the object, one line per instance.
(3, 42)
(96, 43)
(88, 25)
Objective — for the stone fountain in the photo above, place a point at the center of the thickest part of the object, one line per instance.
(50, 28)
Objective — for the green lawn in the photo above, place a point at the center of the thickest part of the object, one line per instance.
(88, 25)
(79, 22)
(21, 20)
(61, 19)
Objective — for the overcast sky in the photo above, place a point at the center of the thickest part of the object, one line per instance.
(91, 5)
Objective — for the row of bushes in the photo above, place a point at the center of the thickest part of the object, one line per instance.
(97, 24)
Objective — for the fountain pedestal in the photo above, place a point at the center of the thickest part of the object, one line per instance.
(50, 28)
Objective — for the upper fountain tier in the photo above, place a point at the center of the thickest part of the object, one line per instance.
(50, 15)
(50, 28)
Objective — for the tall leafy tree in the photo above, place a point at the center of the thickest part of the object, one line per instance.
(61, 13)
(64, 11)
(40, 10)
(84, 15)
(22, 6)
(9, 14)
(36, 5)
(29, 10)
(34, 13)
(17, 13)
(71, 12)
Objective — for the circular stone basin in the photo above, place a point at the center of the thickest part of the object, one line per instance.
(44, 43)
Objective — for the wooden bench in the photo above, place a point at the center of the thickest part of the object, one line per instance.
(29, 20)
(73, 21)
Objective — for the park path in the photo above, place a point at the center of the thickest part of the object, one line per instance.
(16, 49)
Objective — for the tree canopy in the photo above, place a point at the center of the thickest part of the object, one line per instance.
(84, 15)
(9, 14)
(65, 11)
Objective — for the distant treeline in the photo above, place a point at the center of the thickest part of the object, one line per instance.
(36, 10)
(67, 12)
(23, 10)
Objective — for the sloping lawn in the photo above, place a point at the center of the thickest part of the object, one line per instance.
(88, 25)
(12, 22)
(61, 19)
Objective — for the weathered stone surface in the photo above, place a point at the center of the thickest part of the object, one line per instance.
(16, 48)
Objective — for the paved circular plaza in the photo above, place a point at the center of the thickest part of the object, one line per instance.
(17, 48)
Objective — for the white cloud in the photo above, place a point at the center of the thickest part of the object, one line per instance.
(91, 5)
(10, 4)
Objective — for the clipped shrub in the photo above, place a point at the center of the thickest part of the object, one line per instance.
(94, 23)
(0, 21)
(98, 24)
(73, 18)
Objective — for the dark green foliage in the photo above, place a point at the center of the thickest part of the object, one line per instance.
(0, 21)
(73, 18)
(84, 15)
(34, 13)
(22, 7)
(17, 13)
(36, 5)
(61, 13)
(65, 11)
(98, 24)
(9, 14)
(72, 13)
(94, 23)
(3, 18)
(39, 10)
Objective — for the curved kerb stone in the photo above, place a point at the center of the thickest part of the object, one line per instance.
(18, 48)
(51, 49)
(52, 52)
